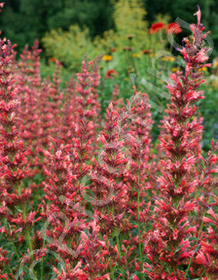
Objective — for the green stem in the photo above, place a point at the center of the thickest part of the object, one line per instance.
(202, 273)
(10, 270)
(12, 242)
(28, 240)
(111, 268)
(161, 40)
(118, 243)
(15, 249)
(139, 235)
(127, 63)
(102, 88)
(42, 263)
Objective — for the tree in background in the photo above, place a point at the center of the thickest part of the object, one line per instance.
(23, 21)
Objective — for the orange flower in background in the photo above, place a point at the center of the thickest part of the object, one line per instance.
(51, 59)
(107, 57)
(146, 51)
(111, 73)
(156, 27)
(174, 28)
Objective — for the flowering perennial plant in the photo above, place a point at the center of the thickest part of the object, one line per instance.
(169, 245)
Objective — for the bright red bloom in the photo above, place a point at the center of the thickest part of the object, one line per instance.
(110, 74)
(174, 28)
(156, 27)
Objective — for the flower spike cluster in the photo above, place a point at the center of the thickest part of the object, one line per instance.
(87, 198)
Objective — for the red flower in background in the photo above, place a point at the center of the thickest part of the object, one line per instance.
(52, 59)
(110, 74)
(156, 27)
(174, 28)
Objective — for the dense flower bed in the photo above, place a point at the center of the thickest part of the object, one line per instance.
(83, 197)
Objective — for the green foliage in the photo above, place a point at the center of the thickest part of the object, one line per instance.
(23, 21)
(48, 69)
(94, 14)
(131, 30)
(129, 18)
(208, 109)
(69, 47)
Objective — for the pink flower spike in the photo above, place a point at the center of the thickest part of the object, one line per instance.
(198, 14)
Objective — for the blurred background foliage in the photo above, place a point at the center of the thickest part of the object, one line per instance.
(23, 21)
(130, 31)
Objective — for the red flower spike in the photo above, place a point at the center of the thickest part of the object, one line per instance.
(110, 191)
(169, 245)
